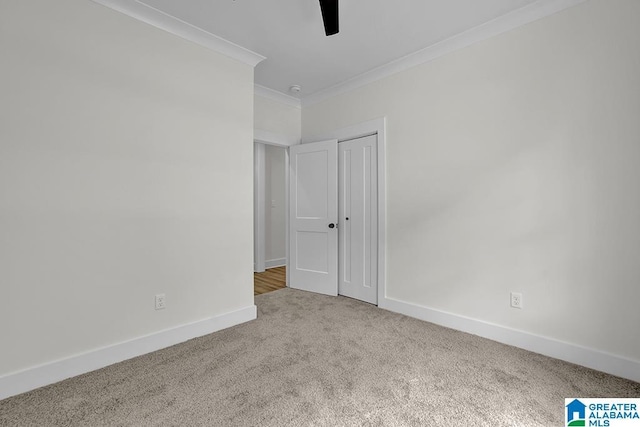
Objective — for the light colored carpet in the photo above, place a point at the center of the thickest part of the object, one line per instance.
(317, 360)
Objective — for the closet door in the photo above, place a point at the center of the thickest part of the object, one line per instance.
(358, 220)
(313, 217)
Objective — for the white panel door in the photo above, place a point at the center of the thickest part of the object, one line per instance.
(358, 233)
(313, 215)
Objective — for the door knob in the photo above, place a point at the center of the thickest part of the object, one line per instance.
(332, 225)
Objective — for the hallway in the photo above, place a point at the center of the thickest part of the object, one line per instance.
(270, 280)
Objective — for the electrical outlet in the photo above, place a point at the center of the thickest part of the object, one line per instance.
(160, 302)
(516, 300)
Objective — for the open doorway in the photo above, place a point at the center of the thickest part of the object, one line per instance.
(270, 222)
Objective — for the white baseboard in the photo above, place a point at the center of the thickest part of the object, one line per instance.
(271, 263)
(594, 359)
(49, 373)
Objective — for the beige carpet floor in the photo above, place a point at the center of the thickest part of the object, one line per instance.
(315, 360)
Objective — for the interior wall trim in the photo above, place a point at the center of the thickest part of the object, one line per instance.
(517, 18)
(52, 372)
(273, 138)
(152, 16)
(583, 356)
(279, 262)
(276, 96)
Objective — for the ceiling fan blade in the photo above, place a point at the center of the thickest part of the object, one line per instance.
(330, 16)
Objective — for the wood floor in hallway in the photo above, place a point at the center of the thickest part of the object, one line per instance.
(270, 280)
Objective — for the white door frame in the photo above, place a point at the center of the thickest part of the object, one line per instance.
(259, 221)
(260, 139)
(371, 127)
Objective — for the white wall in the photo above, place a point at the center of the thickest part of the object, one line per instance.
(513, 165)
(118, 142)
(275, 221)
(278, 119)
(275, 123)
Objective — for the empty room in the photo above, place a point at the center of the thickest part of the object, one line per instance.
(454, 216)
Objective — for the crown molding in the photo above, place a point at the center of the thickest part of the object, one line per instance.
(517, 18)
(145, 13)
(274, 95)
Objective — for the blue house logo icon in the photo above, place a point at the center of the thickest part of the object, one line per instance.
(576, 413)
